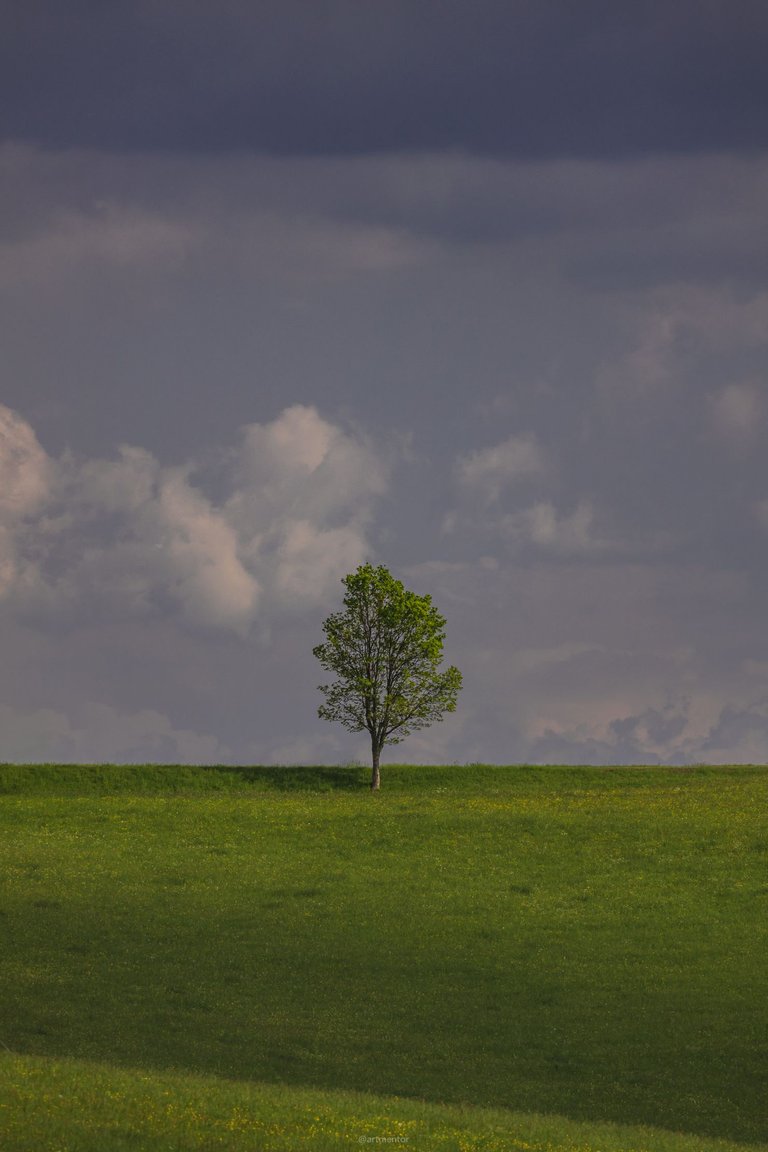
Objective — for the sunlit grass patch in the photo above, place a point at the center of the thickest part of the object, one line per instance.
(58, 1105)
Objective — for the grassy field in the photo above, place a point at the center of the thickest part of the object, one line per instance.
(588, 943)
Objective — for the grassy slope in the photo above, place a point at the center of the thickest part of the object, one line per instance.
(585, 942)
(48, 1106)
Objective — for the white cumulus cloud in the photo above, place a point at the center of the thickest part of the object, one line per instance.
(129, 536)
(543, 525)
(25, 476)
(490, 470)
(24, 467)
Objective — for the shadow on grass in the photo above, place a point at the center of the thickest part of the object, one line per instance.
(299, 779)
(188, 779)
(109, 779)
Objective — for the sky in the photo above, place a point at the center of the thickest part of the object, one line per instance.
(477, 290)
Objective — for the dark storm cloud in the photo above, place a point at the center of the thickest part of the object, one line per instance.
(527, 79)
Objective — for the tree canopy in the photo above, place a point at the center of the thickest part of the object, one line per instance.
(384, 649)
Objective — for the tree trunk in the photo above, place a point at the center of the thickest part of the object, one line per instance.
(375, 753)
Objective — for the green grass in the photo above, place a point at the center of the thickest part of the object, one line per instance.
(582, 942)
(54, 1105)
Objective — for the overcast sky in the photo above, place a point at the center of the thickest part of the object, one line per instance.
(475, 289)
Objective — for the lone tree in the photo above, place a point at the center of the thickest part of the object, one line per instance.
(384, 649)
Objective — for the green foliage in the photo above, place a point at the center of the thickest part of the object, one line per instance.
(573, 941)
(385, 648)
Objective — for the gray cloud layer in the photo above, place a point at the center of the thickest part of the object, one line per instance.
(518, 79)
(534, 389)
